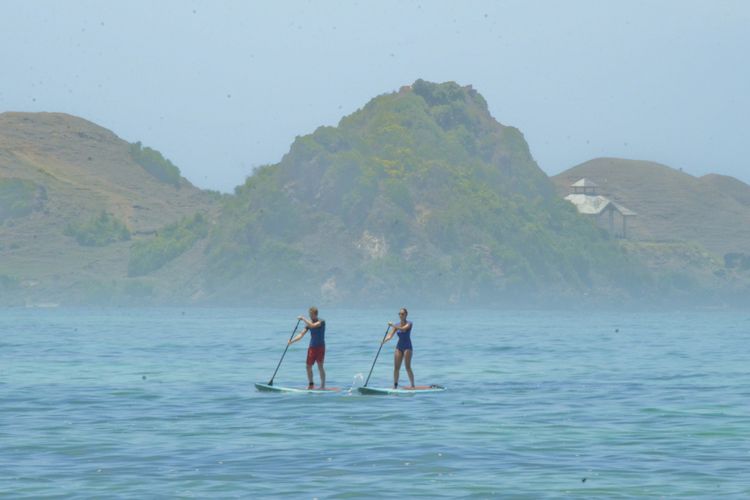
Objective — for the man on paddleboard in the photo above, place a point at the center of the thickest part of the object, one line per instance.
(403, 348)
(316, 352)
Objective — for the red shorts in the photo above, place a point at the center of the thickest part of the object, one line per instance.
(316, 355)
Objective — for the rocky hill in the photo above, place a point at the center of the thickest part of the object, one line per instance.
(74, 198)
(420, 196)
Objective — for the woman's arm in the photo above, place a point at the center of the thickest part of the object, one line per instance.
(404, 328)
(391, 333)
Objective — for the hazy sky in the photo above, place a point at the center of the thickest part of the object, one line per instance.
(224, 86)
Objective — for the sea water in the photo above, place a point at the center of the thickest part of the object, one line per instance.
(136, 403)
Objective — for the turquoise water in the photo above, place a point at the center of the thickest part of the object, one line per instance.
(161, 403)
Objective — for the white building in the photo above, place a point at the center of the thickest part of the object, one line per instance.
(609, 215)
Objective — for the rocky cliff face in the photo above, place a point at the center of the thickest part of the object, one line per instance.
(421, 194)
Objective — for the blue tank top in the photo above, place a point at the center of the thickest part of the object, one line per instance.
(404, 336)
(318, 335)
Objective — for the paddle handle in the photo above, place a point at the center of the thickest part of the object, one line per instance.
(270, 382)
(378, 354)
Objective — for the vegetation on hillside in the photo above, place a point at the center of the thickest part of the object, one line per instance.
(57, 174)
(422, 194)
(418, 198)
(155, 164)
(149, 255)
(19, 197)
(99, 231)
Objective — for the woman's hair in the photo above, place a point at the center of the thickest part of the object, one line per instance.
(313, 309)
(406, 313)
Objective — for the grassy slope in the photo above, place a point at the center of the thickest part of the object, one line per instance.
(712, 211)
(84, 169)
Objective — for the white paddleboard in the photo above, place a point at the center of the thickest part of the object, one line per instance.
(279, 388)
(420, 389)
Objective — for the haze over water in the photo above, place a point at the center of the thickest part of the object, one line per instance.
(160, 403)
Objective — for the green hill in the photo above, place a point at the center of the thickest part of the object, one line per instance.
(420, 196)
(74, 198)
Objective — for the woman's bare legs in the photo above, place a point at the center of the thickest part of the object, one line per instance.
(407, 359)
(398, 356)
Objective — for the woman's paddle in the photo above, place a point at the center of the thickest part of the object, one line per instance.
(378, 354)
(270, 382)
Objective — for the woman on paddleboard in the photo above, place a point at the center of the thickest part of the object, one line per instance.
(404, 349)
(316, 352)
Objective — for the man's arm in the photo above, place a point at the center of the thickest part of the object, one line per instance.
(299, 337)
(309, 324)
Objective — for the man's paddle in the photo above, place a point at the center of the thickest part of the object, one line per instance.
(378, 354)
(270, 382)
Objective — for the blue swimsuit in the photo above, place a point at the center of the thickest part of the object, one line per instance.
(404, 336)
